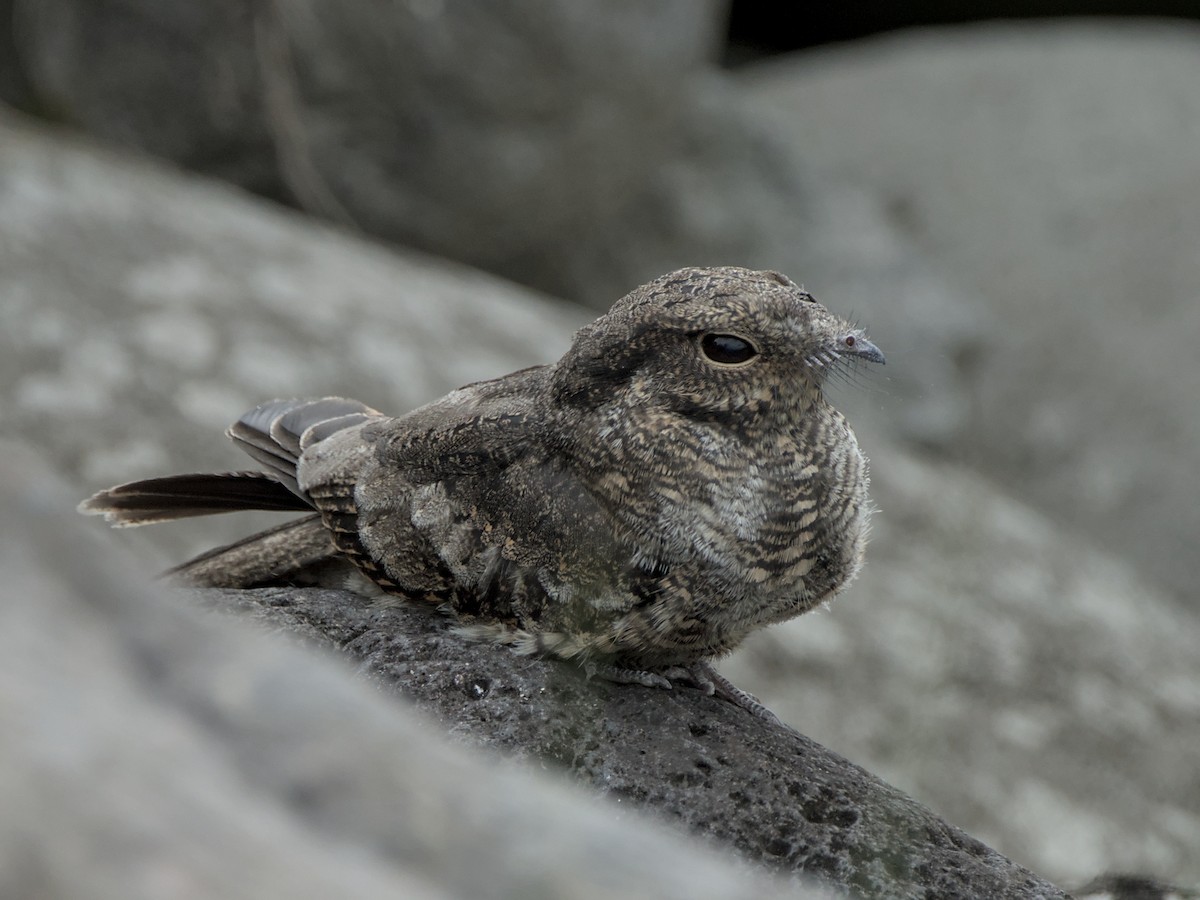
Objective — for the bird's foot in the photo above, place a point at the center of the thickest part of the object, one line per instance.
(708, 679)
(701, 675)
(618, 675)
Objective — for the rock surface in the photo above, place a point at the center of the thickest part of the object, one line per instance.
(779, 799)
(147, 751)
(1011, 676)
(581, 150)
(1037, 690)
(524, 137)
(1050, 172)
(144, 312)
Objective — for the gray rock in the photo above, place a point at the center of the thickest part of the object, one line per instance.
(143, 312)
(695, 761)
(146, 751)
(577, 148)
(1032, 689)
(130, 730)
(525, 137)
(177, 80)
(1050, 170)
(93, 247)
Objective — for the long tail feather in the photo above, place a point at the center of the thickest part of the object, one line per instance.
(275, 434)
(293, 552)
(183, 496)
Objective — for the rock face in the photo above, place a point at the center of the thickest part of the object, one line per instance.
(1055, 683)
(779, 799)
(783, 801)
(148, 751)
(526, 138)
(1049, 172)
(1019, 653)
(127, 288)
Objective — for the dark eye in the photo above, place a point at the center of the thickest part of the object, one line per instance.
(727, 349)
(849, 340)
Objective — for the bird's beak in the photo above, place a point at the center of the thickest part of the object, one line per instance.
(863, 349)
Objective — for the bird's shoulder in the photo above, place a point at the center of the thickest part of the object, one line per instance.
(480, 478)
(476, 468)
(477, 429)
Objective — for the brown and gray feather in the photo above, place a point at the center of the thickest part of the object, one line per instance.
(674, 482)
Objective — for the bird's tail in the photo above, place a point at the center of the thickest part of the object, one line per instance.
(291, 553)
(296, 552)
(183, 496)
(275, 434)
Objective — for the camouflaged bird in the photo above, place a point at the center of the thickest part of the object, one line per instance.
(674, 482)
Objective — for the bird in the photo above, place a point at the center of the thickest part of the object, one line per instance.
(676, 481)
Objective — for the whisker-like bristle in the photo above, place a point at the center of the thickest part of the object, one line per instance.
(851, 373)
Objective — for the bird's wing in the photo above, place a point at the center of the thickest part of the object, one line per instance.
(278, 433)
(479, 482)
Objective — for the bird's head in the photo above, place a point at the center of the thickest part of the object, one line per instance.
(712, 343)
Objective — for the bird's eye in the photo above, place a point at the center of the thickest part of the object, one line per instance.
(727, 349)
(849, 340)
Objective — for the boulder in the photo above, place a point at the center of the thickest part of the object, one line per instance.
(145, 309)
(1047, 171)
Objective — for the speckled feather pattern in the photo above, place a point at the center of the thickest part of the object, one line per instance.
(639, 503)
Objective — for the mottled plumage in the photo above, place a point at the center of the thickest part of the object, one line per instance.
(674, 482)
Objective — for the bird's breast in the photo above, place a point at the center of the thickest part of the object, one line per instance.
(781, 518)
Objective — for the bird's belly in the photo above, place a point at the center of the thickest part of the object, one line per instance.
(769, 549)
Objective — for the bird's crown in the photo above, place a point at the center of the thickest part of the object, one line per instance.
(715, 340)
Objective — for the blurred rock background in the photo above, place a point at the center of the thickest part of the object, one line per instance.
(202, 206)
